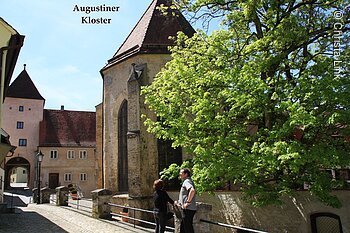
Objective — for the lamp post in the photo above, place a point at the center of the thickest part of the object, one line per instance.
(40, 157)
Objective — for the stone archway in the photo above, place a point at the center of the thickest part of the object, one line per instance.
(14, 163)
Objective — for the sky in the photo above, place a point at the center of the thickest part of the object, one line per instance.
(63, 57)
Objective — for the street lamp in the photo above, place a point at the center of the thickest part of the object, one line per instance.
(40, 157)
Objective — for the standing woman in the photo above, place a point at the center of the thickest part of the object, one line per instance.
(161, 198)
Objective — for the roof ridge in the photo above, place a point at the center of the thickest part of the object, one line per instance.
(131, 32)
(151, 33)
(59, 110)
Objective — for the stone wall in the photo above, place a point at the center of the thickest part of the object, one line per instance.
(142, 147)
(292, 217)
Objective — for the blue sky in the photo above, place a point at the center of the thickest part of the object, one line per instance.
(64, 56)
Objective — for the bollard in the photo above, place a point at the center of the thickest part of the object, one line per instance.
(45, 195)
(99, 207)
(62, 196)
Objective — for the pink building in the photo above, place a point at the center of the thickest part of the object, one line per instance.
(66, 138)
(22, 114)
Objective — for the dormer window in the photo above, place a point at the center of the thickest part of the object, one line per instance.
(21, 108)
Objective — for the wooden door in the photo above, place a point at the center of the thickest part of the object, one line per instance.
(53, 180)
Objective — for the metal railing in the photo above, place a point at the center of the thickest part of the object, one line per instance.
(136, 219)
(80, 203)
(241, 229)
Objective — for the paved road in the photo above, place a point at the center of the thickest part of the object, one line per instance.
(47, 218)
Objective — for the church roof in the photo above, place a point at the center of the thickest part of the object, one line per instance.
(61, 128)
(23, 87)
(151, 33)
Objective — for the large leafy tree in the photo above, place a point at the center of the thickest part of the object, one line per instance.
(263, 102)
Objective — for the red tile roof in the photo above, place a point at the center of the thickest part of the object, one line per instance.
(151, 33)
(68, 128)
(23, 87)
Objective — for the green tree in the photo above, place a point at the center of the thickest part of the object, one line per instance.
(264, 101)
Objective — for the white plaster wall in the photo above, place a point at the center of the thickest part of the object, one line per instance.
(74, 166)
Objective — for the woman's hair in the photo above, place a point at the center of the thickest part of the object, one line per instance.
(158, 184)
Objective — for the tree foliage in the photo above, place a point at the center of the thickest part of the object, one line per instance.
(264, 101)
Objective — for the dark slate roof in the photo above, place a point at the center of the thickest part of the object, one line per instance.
(151, 33)
(23, 87)
(68, 128)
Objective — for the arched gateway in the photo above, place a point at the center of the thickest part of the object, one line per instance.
(12, 169)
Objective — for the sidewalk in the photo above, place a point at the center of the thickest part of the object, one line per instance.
(46, 218)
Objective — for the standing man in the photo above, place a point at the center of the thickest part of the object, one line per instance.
(187, 199)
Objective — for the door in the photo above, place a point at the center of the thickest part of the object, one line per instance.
(53, 180)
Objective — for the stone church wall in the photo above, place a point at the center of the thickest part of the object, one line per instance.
(292, 217)
(142, 149)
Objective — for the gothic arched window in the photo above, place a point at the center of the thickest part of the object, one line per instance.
(123, 147)
(166, 156)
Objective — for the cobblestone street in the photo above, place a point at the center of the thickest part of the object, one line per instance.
(47, 218)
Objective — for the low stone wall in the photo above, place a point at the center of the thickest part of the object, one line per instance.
(142, 203)
(292, 217)
(100, 208)
(122, 199)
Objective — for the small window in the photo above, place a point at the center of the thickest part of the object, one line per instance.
(83, 154)
(20, 124)
(83, 176)
(53, 154)
(68, 177)
(70, 154)
(21, 108)
(24, 171)
(22, 142)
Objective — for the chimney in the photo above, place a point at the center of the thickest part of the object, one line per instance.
(62, 107)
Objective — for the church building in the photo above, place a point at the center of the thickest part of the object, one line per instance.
(132, 157)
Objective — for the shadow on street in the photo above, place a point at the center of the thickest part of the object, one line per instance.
(27, 222)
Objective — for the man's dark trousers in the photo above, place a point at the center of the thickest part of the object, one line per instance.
(187, 222)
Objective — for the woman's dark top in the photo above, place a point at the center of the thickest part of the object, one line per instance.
(161, 198)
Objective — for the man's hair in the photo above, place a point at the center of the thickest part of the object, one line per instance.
(158, 184)
(186, 171)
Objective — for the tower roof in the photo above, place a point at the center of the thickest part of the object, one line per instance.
(151, 33)
(23, 87)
